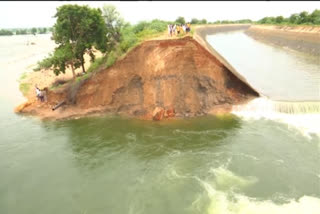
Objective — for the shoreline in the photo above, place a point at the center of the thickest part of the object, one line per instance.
(70, 111)
(145, 84)
(298, 38)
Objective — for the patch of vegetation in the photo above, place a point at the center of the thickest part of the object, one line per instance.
(131, 36)
(4, 32)
(303, 18)
(113, 37)
(197, 21)
(24, 88)
(23, 76)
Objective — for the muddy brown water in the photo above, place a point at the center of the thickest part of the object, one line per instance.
(225, 164)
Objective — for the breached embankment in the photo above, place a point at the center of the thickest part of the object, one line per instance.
(201, 34)
(299, 38)
(177, 73)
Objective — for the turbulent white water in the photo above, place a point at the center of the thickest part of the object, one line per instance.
(224, 194)
(222, 203)
(304, 116)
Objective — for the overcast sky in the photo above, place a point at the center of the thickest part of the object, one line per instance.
(40, 14)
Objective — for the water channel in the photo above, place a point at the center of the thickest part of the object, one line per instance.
(226, 164)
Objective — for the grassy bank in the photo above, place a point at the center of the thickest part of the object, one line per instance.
(24, 88)
(131, 36)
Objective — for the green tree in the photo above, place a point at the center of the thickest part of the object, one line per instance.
(21, 32)
(77, 30)
(203, 21)
(304, 17)
(294, 18)
(4, 32)
(180, 20)
(194, 21)
(114, 23)
(42, 30)
(315, 17)
(279, 19)
(34, 30)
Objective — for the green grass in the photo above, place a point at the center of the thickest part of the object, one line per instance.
(23, 76)
(24, 88)
(132, 36)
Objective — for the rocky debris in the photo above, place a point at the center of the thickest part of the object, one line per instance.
(160, 113)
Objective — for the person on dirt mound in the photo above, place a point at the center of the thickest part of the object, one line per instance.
(188, 27)
(174, 29)
(178, 29)
(40, 94)
(170, 29)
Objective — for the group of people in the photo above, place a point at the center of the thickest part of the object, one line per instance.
(177, 29)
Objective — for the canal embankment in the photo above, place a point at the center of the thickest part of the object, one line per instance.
(299, 38)
(177, 74)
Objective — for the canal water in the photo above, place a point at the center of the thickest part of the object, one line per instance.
(227, 164)
(275, 72)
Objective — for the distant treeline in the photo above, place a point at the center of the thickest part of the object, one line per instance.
(303, 18)
(296, 18)
(7, 32)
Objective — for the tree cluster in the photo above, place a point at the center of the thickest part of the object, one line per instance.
(197, 21)
(81, 30)
(296, 18)
(4, 32)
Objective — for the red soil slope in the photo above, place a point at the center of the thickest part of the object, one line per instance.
(178, 74)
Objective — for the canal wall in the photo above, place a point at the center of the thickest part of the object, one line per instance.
(200, 36)
(300, 38)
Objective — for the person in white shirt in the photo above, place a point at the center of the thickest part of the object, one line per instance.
(184, 28)
(39, 94)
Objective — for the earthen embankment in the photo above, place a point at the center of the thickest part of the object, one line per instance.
(299, 38)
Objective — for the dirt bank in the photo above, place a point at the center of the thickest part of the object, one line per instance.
(176, 73)
(200, 35)
(300, 38)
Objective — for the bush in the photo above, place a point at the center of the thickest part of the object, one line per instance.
(94, 65)
(24, 88)
(112, 57)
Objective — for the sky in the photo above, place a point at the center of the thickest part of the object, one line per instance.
(27, 14)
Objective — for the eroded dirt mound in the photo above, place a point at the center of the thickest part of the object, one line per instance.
(178, 74)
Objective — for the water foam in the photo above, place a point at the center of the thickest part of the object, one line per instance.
(305, 116)
(232, 203)
(227, 180)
